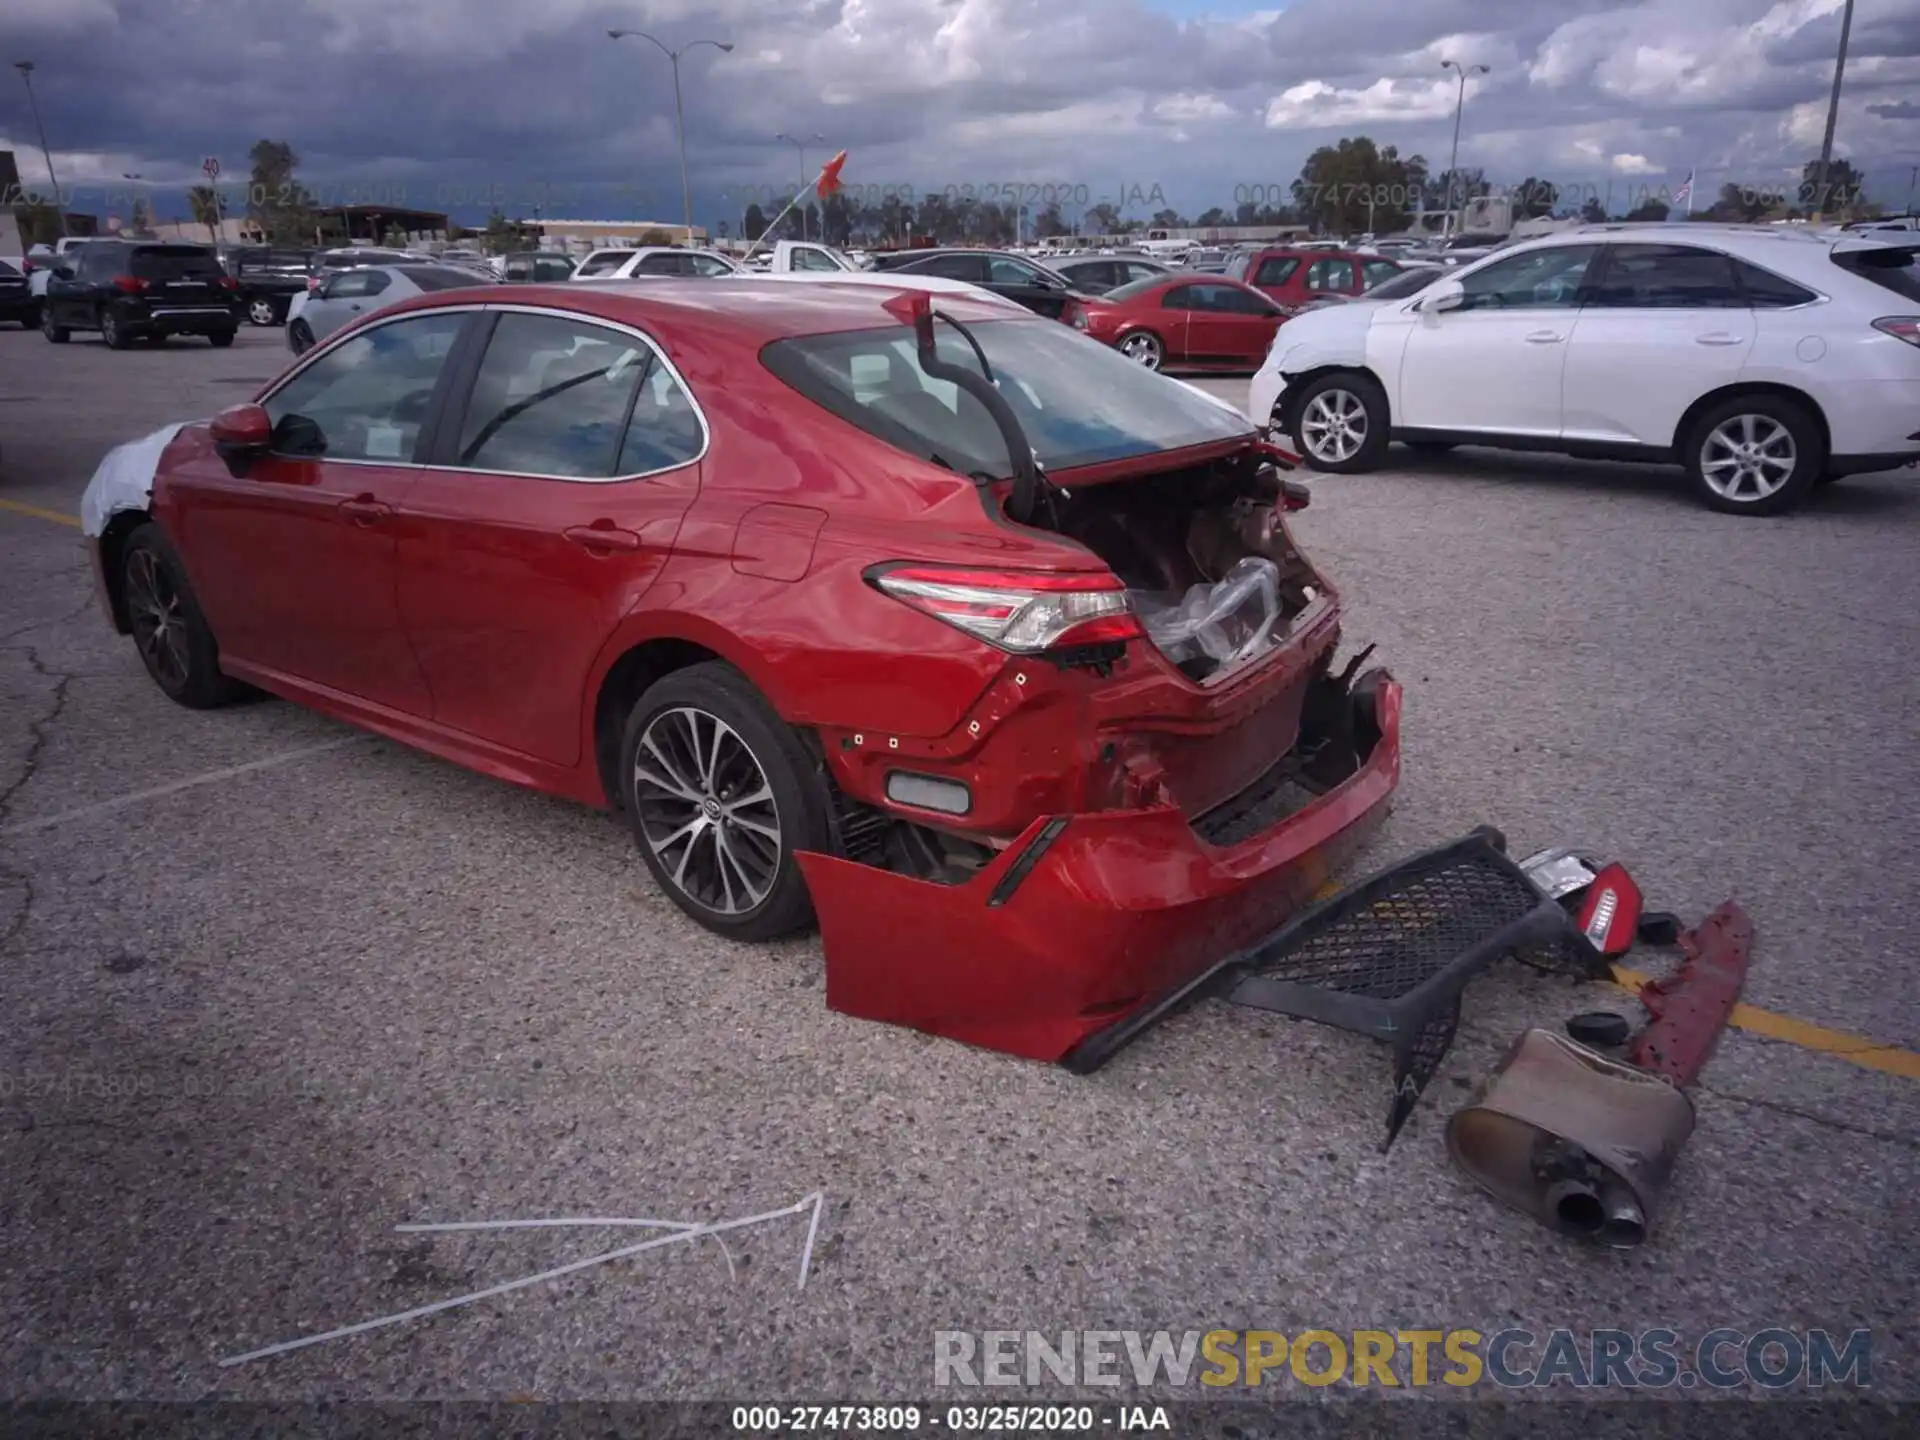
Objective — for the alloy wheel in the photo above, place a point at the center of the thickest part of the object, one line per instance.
(707, 811)
(1142, 350)
(159, 621)
(260, 312)
(109, 329)
(1747, 458)
(1334, 426)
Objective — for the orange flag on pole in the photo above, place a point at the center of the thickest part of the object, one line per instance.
(829, 181)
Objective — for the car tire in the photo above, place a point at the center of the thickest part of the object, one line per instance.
(113, 332)
(57, 334)
(262, 311)
(1754, 454)
(222, 338)
(762, 894)
(1144, 348)
(1340, 425)
(299, 337)
(172, 635)
(31, 319)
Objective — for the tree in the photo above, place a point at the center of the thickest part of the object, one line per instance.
(1212, 219)
(1650, 210)
(1048, 222)
(656, 237)
(1356, 185)
(1839, 192)
(1593, 212)
(38, 223)
(1168, 220)
(501, 236)
(1101, 219)
(1742, 203)
(753, 224)
(276, 202)
(1534, 198)
(204, 203)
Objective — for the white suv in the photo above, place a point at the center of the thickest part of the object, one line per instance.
(1764, 360)
(633, 263)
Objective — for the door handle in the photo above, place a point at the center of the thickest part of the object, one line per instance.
(1718, 337)
(365, 510)
(602, 537)
(1544, 337)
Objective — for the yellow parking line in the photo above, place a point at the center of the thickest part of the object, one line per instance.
(38, 514)
(1890, 1059)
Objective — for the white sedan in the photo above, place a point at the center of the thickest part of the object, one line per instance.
(1762, 359)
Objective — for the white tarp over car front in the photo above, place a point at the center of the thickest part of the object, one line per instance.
(124, 479)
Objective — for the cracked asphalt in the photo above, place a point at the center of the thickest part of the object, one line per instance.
(253, 1024)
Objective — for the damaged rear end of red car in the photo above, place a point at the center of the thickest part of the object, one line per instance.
(1165, 764)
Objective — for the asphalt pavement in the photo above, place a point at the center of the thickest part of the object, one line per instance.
(272, 988)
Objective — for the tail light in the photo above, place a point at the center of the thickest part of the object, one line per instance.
(1901, 327)
(1610, 914)
(227, 282)
(1022, 611)
(129, 284)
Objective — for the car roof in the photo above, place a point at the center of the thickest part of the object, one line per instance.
(755, 310)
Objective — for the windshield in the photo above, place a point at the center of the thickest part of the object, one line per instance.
(1079, 402)
(1891, 267)
(1399, 287)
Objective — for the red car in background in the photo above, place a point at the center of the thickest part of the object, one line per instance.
(1195, 322)
(1294, 278)
(851, 609)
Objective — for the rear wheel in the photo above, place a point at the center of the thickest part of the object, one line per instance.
(58, 334)
(1754, 455)
(113, 331)
(1143, 347)
(721, 793)
(1340, 424)
(176, 644)
(261, 311)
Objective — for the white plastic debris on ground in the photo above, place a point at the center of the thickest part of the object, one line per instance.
(124, 480)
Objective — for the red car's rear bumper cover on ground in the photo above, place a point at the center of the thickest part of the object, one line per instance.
(1121, 907)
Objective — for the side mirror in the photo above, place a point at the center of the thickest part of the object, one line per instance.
(241, 433)
(1445, 295)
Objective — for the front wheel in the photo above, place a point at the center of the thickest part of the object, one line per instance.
(1144, 348)
(221, 339)
(1754, 455)
(57, 334)
(1340, 424)
(113, 331)
(299, 337)
(175, 642)
(721, 793)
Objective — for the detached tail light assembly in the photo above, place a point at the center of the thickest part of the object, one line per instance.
(1023, 612)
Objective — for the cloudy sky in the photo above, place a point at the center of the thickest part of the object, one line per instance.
(452, 101)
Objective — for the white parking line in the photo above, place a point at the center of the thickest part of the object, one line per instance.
(211, 777)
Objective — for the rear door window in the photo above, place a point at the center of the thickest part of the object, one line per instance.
(1666, 277)
(435, 277)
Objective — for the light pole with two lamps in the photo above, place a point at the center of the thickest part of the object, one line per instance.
(679, 112)
(1453, 160)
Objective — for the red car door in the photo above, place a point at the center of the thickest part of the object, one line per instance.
(1172, 318)
(550, 516)
(294, 559)
(1333, 275)
(1220, 329)
(1255, 318)
(1277, 276)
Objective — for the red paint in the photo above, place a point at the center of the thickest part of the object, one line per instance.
(1190, 338)
(1610, 911)
(1288, 270)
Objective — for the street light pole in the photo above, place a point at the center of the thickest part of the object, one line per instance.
(1460, 105)
(25, 67)
(801, 145)
(1833, 114)
(679, 111)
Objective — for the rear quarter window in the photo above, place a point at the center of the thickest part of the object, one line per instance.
(1892, 267)
(173, 262)
(427, 277)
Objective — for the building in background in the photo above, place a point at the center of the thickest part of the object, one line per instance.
(579, 236)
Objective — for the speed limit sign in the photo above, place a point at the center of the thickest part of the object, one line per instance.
(212, 166)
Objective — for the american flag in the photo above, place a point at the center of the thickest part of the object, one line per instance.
(1684, 195)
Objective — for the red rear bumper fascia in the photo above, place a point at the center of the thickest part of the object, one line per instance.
(1122, 908)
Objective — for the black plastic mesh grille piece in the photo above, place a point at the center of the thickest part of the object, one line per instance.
(1420, 1064)
(1401, 939)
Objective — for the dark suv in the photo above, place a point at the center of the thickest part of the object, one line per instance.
(127, 291)
(1013, 276)
(269, 279)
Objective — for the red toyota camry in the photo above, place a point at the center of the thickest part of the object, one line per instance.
(1198, 322)
(945, 625)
